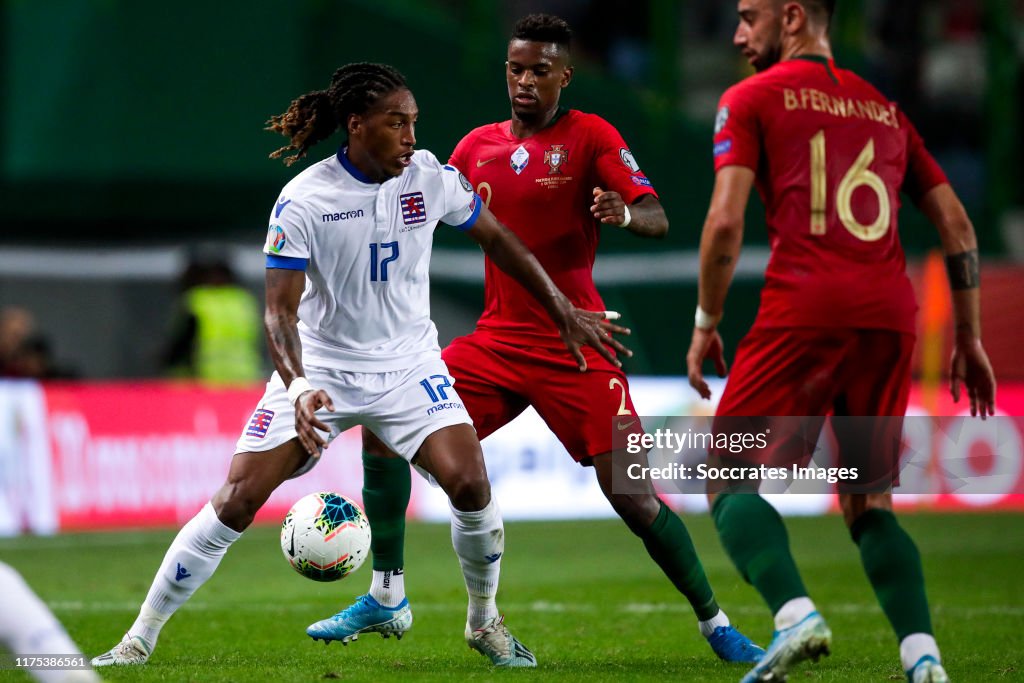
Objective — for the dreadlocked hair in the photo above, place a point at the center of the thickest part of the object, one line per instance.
(354, 89)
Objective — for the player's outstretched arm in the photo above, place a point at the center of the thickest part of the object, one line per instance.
(645, 217)
(577, 327)
(970, 366)
(284, 290)
(720, 244)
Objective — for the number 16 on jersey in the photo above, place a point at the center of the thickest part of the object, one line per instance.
(858, 175)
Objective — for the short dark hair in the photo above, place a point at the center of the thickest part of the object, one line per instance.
(544, 28)
(824, 9)
(313, 117)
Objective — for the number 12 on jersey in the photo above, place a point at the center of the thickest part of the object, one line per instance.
(378, 265)
(859, 175)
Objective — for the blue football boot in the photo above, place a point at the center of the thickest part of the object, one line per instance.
(732, 646)
(366, 615)
(809, 639)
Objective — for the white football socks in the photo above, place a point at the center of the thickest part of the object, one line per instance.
(793, 612)
(190, 561)
(915, 646)
(479, 541)
(708, 626)
(28, 627)
(388, 587)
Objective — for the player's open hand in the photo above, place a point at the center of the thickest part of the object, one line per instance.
(595, 329)
(307, 423)
(608, 207)
(706, 344)
(970, 367)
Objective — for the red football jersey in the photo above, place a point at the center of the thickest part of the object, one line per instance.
(831, 156)
(541, 187)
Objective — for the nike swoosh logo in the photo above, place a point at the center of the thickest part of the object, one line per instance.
(482, 162)
(280, 207)
(623, 426)
(291, 550)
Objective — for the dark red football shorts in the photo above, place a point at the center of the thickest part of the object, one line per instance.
(814, 372)
(497, 381)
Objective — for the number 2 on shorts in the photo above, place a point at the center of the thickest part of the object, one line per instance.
(616, 382)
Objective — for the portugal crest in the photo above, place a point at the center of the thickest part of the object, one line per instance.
(554, 158)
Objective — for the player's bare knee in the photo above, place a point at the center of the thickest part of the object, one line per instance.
(854, 505)
(468, 491)
(234, 507)
(637, 511)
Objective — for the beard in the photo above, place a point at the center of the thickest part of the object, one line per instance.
(769, 58)
(528, 117)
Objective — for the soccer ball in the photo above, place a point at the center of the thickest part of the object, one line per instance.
(325, 536)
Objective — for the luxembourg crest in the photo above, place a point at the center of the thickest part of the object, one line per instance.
(554, 158)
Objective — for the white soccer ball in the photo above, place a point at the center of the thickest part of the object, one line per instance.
(325, 536)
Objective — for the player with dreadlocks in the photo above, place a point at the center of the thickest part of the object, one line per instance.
(348, 326)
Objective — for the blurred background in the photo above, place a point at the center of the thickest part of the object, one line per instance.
(136, 184)
(132, 142)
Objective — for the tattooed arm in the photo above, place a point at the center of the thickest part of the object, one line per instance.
(284, 289)
(970, 366)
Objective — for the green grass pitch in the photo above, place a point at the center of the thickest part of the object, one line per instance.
(583, 595)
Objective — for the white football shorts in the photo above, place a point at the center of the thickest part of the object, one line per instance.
(402, 407)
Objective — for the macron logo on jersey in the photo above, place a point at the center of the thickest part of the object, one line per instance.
(260, 423)
(414, 209)
(342, 216)
(280, 207)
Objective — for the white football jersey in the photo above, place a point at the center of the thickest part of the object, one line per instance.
(365, 248)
